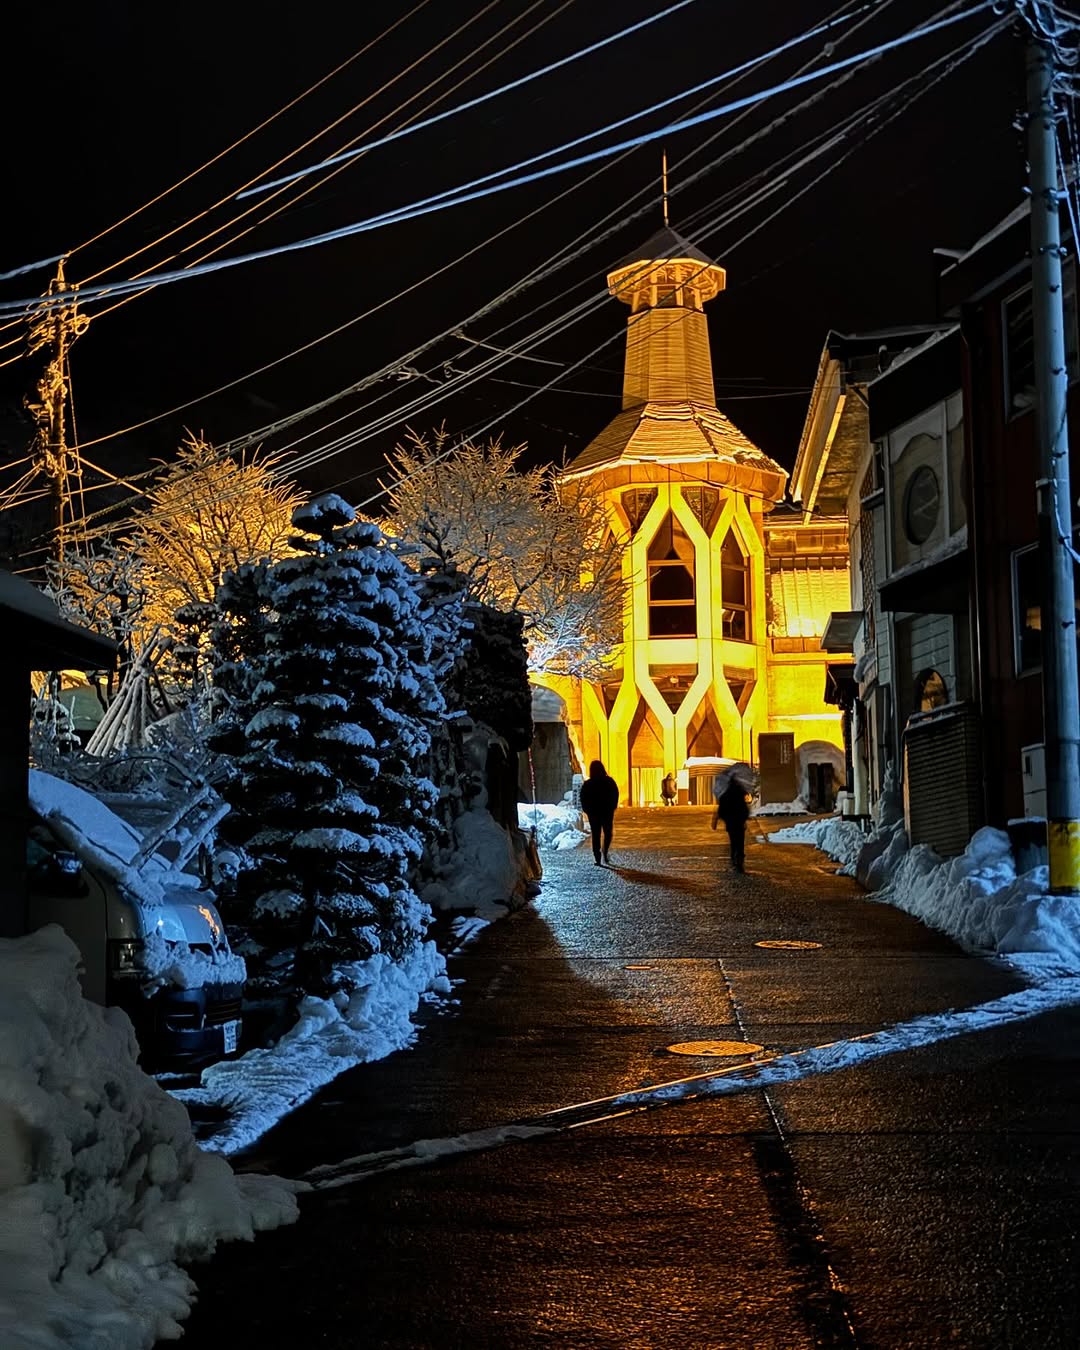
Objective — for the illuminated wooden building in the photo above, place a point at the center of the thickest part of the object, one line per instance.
(724, 614)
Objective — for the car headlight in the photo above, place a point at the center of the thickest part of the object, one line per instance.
(125, 956)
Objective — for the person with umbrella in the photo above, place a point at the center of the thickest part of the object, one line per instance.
(731, 789)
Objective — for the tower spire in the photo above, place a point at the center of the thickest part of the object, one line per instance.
(663, 182)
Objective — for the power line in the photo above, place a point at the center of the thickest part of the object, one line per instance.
(458, 196)
(919, 85)
(344, 442)
(247, 136)
(475, 102)
(232, 193)
(509, 412)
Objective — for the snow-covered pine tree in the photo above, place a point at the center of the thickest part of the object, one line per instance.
(328, 803)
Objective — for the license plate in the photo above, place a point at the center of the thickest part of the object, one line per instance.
(232, 1036)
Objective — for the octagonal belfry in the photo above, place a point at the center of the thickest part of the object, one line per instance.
(689, 492)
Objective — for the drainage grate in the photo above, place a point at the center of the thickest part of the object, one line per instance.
(715, 1049)
(788, 945)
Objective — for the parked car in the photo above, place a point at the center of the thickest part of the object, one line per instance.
(151, 938)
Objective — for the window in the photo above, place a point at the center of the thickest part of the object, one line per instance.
(672, 609)
(867, 568)
(636, 503)
(922, 501)
(705, 504)
(1019, 333)
(735, 590)
(930, 691)
(1027, 610)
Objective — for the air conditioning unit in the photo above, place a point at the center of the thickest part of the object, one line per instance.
(1033, 770)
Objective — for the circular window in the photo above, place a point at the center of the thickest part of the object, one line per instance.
(921, 502)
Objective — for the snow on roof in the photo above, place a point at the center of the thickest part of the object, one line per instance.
(910, 353)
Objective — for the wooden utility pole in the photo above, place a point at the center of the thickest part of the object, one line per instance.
(1061, 694)
(54, 327)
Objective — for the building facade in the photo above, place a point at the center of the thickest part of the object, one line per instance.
(724, 608)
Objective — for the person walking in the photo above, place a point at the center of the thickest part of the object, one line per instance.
(669, 790)
(599, 798)
(729, 791)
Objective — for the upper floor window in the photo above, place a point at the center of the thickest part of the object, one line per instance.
(735, 589)
(931, 691)
(705, 504)
(636, 502)
(1019, 334)
(672, 608)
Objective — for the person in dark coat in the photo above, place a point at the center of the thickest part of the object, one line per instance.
(669, 790)
(732, 808)
(599, 798)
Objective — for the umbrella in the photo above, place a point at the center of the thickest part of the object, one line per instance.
(740, 774)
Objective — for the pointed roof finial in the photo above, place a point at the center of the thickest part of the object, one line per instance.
(663, 180)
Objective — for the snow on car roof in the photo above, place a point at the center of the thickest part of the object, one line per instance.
(97, 835)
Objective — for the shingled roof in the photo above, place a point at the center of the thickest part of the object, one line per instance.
(674, 432)
(664, 245)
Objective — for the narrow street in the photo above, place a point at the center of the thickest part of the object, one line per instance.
(927, 1199)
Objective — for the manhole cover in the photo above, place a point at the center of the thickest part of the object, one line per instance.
(788, 945)
(715, 1049)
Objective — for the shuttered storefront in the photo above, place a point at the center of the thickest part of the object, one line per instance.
(943, 800)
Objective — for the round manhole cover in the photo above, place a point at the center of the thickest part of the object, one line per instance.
(715, 1049)
(788, 945)
(638, 967)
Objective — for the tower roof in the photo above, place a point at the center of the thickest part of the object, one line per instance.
(681, 433)
(665, 245)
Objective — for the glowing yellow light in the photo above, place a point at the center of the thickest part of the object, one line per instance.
(215, 927)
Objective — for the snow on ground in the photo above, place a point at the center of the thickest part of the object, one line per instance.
(331, 1035)
(978, 899)
(840, 839)
(764, 1070)
(798, 807)
(558, 825)
(103, 1190)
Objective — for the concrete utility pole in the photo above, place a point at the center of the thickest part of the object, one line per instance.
(55, 327)
(1061, 696)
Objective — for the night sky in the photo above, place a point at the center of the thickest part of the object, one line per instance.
(105, 107)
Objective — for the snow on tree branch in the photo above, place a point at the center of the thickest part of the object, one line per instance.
(522, 542)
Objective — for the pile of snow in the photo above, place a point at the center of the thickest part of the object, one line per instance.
(331, 1035)
(798, 807)
(981, 902)
(557, 826)
(103, 1190)
(482, 871)
(840, 839)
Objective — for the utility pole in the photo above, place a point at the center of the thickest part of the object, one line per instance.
(55, 327)
(1061, 695)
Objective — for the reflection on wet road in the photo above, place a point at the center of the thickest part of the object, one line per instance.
(923, 1200)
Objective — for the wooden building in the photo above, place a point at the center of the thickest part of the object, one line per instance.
(721, 631)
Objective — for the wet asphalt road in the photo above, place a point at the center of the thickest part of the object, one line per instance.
(926, 1200)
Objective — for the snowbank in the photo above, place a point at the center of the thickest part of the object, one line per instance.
(840, 839)
(102, 1187)
(979, 900)
(557, 826)
(331, 1035)
(481, 872)
(798, 807)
